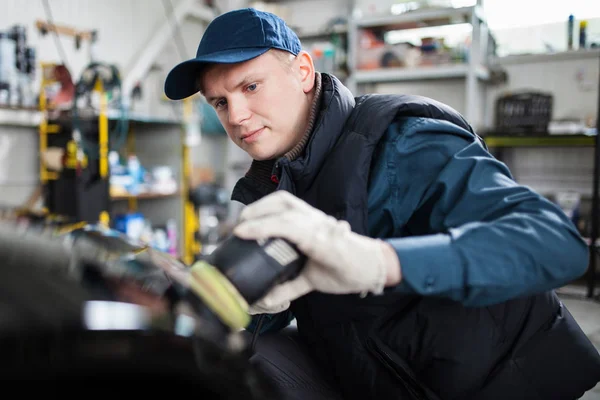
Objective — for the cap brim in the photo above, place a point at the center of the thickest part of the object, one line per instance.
(182, 80)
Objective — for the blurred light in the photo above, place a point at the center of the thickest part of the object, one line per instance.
(503, 14)
(400, 8)
(109, 315)
(452, 34)
(185, 325)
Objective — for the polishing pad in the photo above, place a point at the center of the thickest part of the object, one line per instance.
(219, 294)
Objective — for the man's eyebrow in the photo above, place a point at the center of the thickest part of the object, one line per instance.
(244, 82)
(211, 99)
(247, 80)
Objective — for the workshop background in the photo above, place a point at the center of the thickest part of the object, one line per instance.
(87, 133)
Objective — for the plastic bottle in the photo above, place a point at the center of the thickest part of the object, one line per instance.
(172, 237)
(135, 172)
(570, 27)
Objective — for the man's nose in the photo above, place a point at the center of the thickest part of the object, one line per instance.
(238, 112)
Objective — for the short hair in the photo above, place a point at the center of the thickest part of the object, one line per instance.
(285, 57)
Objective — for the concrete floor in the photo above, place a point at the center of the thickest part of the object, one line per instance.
(587, 313)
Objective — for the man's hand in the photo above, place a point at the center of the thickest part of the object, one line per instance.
(340, 261)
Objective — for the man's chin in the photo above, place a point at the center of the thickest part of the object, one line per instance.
(262, 155)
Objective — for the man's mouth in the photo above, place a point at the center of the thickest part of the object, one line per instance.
(247, 137)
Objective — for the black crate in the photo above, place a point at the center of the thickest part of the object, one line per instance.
(524, 113)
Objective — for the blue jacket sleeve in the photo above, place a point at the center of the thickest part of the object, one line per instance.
(481, 238)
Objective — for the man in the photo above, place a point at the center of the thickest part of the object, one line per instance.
(430, 269)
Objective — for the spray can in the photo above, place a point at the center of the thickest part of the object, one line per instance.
(582, 34)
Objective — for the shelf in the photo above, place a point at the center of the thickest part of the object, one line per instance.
(143, 118)
(418, 73)
(421, 18)
(144, 196)
(86, 114)
(579, 54)
(540, 141)
(27, 117)
(31, 117)
(115, 115)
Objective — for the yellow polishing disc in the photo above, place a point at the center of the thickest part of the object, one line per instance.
(219, 294)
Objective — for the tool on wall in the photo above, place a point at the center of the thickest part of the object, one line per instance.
(98, 87)
(17, 68)
(79, 36)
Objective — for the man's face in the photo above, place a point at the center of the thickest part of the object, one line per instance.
(263, 103)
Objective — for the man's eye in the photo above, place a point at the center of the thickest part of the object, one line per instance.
(251, 87)
(220, 104)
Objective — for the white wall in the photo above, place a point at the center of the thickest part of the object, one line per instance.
(449, 91)
(18, 164)
(542, 37)
(553, 169)
(571, 78)
(307, 15)
(123, 27)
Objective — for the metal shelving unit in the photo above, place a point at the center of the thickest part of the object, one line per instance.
(496, 141)
(159, 139)
(474, 72)
(144, 196)
(418, 73)
(423, 17)
(309, 35)
(157, 142)
(540, 141)
(337, 37)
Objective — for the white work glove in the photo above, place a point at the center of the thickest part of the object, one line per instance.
(339, 260)
(264, 306)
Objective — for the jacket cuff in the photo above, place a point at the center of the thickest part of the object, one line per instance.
(428, 264)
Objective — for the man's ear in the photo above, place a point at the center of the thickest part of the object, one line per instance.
(306, 68)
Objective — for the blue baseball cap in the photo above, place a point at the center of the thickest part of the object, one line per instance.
(232, 37)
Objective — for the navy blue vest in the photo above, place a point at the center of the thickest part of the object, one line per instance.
(369, 344)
